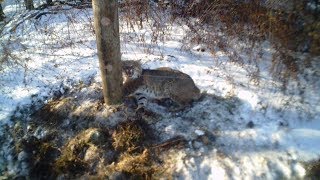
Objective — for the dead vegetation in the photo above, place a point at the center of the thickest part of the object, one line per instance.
(291, 30)
(128, 136)
(82, 152)
(140, 164)
(313, 170)
(51, 149)
(222, 25)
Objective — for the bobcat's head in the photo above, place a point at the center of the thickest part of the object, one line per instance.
(131, 70)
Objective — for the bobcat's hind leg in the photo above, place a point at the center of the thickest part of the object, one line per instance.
(142, 100)
(178, 104)
(177, 108)
(165, 102)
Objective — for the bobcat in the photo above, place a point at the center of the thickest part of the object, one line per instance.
(159, 84)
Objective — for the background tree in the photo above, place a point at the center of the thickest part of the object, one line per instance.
(49, 2)
(2, 16)
(106, 23)
(29, 4)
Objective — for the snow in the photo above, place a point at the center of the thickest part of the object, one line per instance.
(199, 132)
(56, 53)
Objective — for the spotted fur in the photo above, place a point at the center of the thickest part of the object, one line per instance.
(161, 83)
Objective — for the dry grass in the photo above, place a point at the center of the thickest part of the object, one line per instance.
(74, 157)
(128, 136)
(91, 152)
(140, 164)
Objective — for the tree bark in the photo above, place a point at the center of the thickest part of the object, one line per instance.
(49, 2)
(29, 4)
(2, 16)
(106, 23)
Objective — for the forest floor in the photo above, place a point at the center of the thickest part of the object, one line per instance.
(53, 122)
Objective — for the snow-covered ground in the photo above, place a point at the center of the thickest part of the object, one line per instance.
(254, 131)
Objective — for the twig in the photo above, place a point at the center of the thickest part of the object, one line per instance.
(26, 17)
(175, 141)
(44, 13)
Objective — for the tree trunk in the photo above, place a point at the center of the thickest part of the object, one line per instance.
(49, 2)
(106, 23)
(2, 16)
(29, 4)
